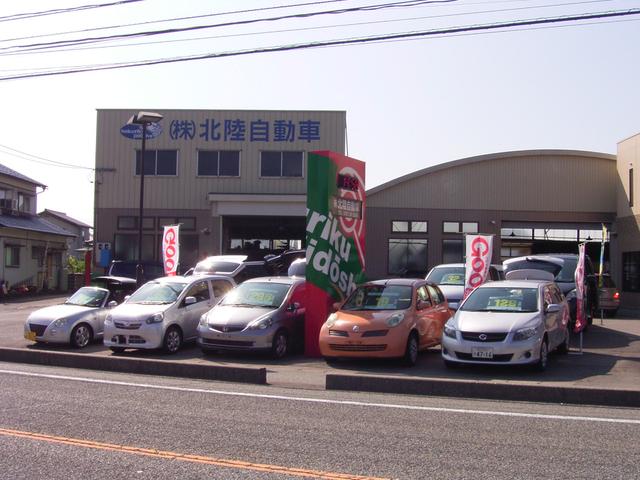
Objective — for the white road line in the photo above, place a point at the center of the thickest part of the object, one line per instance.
(326, 401)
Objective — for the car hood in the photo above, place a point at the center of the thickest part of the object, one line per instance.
(135, 310)
(240, 316)
(49, 314)
(363, 318)
(494, 321)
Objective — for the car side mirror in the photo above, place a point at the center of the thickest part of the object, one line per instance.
(112, 304)
(293, 307)
(189, 301)
(553, 308)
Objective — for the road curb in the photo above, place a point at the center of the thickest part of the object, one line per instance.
(484, 390)
(135, 365)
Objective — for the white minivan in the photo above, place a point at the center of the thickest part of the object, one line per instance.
(164, 313)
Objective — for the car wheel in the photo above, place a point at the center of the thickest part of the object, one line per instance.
(280, 344)
(411, 351)
(172, 340)
(563, 348)
(81, 335)
(117, 349)
(543, 360)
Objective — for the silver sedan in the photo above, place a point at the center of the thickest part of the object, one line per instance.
(508, 322)
(77, 321)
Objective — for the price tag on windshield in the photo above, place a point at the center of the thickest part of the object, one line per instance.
(496, 303)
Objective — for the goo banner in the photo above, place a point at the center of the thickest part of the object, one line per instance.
(479, 248)
(581, 319)
(170, 249)
(335, 236)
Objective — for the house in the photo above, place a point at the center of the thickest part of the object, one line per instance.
(81, 230)
(33, 249)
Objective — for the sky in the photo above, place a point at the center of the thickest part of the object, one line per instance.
(410, 104)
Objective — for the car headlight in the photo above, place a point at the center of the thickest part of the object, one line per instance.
(108, 319)
(331, 320)
(60, 322)
(395, 319)
(261, 324)
(155, 318)
(571, 295)
(204, 318)
(449, 331)
(525, 333)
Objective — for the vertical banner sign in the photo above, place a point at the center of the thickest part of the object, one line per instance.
(579, 278)
(170, 249)
(604, 239)
(335, 236)
(479, 249)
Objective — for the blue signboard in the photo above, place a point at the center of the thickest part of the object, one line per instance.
(134, 131)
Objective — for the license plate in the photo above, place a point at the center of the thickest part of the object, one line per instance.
(482, 353)
(30, 336)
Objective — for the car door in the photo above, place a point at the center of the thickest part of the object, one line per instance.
(441, 310)
(425, 318)
(552, 320)
(295, 317)
(190, 314)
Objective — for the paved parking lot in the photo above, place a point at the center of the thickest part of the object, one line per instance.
(609, 363)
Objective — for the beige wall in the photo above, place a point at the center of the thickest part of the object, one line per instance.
(120, 188)
(529, 181)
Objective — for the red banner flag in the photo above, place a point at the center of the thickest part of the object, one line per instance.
(170, 249)
(581, 319)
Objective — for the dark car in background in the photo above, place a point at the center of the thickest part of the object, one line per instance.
(127, 268)
(563, 267)
(608, 295)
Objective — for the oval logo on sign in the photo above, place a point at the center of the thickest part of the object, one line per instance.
(134, 131)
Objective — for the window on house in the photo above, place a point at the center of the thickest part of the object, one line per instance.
(218, 163)
(12, 256)
(281, 164)
(126, 246)
(24, 202)
(158, 162)
(186, 223)
(408, 257)
(452, 251)
(460, 227)
(631, 272)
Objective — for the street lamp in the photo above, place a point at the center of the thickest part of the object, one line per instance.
(144, 119)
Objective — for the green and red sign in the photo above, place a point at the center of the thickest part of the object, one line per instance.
(335, 236)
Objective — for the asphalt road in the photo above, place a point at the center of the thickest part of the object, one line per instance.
(65, 424)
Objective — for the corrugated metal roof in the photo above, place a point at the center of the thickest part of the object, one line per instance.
(12, 173)
(34, 224)
(65, 217)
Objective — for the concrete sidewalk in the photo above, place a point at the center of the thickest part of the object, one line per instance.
(607, 372)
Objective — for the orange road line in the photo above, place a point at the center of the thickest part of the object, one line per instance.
(238, 464)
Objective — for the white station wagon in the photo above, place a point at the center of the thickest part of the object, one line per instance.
(164, 313)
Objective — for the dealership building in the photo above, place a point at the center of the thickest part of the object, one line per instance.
(235, 181)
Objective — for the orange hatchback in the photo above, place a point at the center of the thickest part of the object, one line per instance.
(386, 318)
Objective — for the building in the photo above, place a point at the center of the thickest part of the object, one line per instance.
(33, 249)
(234, 180)
(81, 230)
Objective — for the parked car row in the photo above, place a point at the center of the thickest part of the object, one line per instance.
(512, 321)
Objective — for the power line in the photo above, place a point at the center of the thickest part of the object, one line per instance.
(24, 16)
(302, 29)
(84, 41)
(343, 42)
(41, 160)
(175, 19)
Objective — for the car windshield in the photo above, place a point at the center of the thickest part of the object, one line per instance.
(157, 293)
(87, 297)
(447, 276)
(215, 266)
(257, 294)
(379, 297)
(502, 299)
(568, 272)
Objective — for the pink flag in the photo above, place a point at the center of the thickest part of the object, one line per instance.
(581, 319)
(170, 249)
(479, 249)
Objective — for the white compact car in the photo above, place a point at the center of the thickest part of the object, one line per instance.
(164, 313)
(510, 322)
